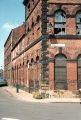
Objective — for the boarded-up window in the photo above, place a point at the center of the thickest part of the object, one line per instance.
(60, 72)
(79, 72)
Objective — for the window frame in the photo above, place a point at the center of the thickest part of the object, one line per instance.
(60, 81)
(78, 72)
(58, 23)
(78, 23)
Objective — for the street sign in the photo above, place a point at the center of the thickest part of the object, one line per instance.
(57, 45)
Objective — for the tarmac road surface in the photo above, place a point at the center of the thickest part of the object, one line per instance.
(14, 109)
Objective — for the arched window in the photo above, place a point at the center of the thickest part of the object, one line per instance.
(38, 18)
(79, 71)
(59, 22)
(38, 21)
(32, 69)
(37, 62)
(29, 6)
(31, 81)
(32, 63)
(33, 2)
(38, 72)
(32, 23)
(60, 72)
(28, 29)
(78, 23)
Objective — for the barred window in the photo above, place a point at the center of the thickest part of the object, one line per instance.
(59, 22)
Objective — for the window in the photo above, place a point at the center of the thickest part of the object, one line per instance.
(32, 24)
(29, 6)
(28, 29)
(38, 72)
(33, 2)
(59, 22)
(60, 72)
(78, 23)
(79, 71)
(38, 18)
(32, 69)
(38, 21)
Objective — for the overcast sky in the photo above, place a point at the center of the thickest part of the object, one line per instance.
(11, 15)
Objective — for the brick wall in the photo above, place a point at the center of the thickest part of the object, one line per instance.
(33, 28)
(7, 58)
(33, 25)
(72, 75)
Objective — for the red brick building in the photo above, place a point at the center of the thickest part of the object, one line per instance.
(15, 35)
(7, 58)
(49, 51)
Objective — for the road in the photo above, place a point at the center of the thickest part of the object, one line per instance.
(13, 109)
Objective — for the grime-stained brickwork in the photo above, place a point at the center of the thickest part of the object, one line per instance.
(33, 60)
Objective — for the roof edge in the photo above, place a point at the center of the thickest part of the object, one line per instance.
(8, 38)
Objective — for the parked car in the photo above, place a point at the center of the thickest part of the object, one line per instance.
(2, 82)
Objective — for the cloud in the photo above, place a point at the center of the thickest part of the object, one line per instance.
(8, 26)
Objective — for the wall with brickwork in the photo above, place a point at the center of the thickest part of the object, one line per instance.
(24, 64)
(33, 23)
(7, 58)
(71, 50)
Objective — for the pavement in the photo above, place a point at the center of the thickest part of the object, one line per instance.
(25, 96)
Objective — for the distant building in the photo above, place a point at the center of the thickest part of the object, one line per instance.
(14, 37)
(1, 72)
(48, 51)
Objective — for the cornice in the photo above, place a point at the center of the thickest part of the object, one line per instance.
(8, 38)
(65, 37)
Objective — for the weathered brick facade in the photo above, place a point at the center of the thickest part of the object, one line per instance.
(7, 58)
(35, 63)
(15, 35)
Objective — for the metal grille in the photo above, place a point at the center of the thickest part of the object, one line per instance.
(79, 72)
(60, 72)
